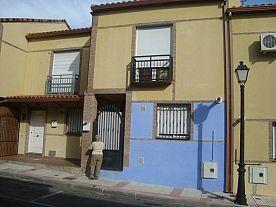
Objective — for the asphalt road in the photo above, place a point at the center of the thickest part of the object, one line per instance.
(24, 193)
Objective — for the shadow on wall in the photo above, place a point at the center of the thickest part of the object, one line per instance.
(200, 114)
(255, 54)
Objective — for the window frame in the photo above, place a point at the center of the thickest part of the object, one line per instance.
(273, 136)
(189, 121)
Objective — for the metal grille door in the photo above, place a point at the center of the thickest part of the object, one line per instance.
(110, 128)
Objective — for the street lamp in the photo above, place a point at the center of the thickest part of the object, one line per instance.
(242, 73)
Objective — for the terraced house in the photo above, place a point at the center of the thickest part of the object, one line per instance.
(156, 92)
(156, 79)
(254, 41)
(43, 66)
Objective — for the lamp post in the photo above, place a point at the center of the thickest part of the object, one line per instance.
(242, 73)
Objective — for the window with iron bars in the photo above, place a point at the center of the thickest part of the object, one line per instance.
(173, 121)
(74, 121)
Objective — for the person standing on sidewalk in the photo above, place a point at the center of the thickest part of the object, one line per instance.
(97, 157)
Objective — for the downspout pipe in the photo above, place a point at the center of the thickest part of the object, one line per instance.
(227, 34)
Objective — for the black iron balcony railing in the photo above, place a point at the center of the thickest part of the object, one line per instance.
(65, 84)
(151, 70)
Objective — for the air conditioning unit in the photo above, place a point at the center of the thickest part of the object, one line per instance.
(268, 42)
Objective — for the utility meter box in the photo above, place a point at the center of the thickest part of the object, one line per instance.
(86, 127)
(258, 174)
(209, 170)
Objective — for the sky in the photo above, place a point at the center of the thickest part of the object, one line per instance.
(76, 12)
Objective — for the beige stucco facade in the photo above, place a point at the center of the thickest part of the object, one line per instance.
(198, 30)
(55, 139)
(39, 57)
(260, 99)
(14, 48)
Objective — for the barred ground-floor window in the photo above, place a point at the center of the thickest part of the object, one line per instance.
(274, 140)
(173, 121)
(74, 121)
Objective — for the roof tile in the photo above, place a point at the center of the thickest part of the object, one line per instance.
(34, 20)
(42, 98)
(86, 30)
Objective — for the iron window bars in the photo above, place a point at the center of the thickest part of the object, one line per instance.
(173, 121)
(152, 69)
(74, 121)
(274, 140)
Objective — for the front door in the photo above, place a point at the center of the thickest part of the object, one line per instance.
(111, 129)
(36, 136)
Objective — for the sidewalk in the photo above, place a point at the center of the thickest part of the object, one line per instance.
(187, 197)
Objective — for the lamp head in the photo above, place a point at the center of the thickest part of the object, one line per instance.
(242, 73)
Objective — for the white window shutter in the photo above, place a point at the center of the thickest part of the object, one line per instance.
(153, 41)
(66, 63)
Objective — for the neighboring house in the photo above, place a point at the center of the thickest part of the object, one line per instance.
(156, 92)
(254, 41)
(44, 69)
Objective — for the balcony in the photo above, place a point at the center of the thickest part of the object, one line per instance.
(62, 84)
(153, 70)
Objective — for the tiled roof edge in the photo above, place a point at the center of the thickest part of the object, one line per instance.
(253, 9)
(86, 30)
(34, 20)
(139, 3)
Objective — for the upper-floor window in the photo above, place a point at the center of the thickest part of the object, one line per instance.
(152, 63)
(66, 63)
(153, 41)
(65, 73)
(274, 140)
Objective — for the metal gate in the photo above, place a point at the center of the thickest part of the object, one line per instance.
(110, 126)
(9, 128)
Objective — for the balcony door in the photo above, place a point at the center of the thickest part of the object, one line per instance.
(153, 53)
(65, 72)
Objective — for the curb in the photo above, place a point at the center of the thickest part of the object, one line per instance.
(110, 191)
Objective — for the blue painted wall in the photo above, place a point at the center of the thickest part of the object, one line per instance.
(176, 163)
(142, 120)
(209, 121)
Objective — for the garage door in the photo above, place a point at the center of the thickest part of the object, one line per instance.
(9, 128)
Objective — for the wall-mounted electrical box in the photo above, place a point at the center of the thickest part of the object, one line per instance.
(54, 124)
(209, 170)
(86, 127)
(258, 174)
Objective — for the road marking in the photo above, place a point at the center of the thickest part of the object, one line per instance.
(47, 196)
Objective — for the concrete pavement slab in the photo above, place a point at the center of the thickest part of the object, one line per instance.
(148, 188)
(100, 182)
(14, 167)
(50, 173)
(191, 193)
